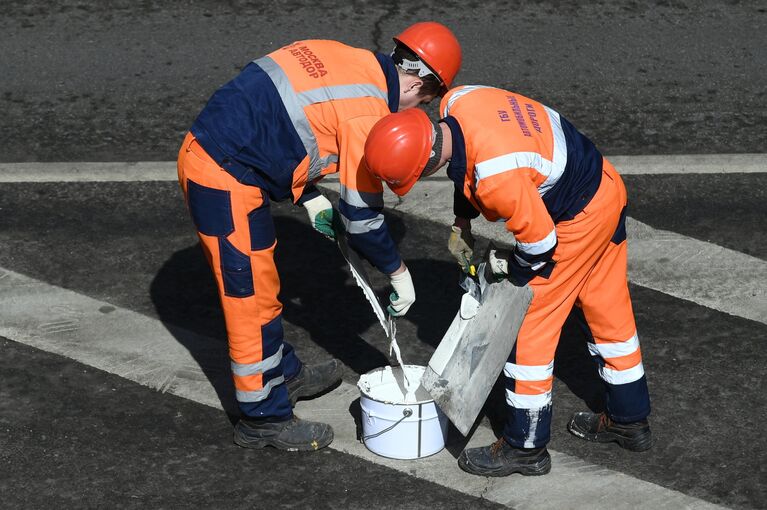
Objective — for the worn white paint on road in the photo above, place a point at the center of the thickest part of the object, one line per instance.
(677, 265)
(166, 170)
(165, 358)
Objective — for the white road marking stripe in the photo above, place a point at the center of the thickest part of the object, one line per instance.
(166, 170)
(677, 265)
(146, 351)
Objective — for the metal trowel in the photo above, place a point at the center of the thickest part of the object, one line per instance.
(468, 360)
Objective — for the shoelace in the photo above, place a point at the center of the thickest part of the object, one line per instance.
(604, 422)
(497, 446)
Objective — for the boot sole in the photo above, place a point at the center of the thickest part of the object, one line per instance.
(539, 468)
(639, 443)
(244, 441)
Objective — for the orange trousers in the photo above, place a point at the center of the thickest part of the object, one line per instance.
(236, 231)
(590, 272)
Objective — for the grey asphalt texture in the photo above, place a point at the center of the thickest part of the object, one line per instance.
(86, 82)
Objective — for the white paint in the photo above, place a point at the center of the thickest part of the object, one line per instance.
(166, 170)
(677, 265)
(148, 352)
(396, 423)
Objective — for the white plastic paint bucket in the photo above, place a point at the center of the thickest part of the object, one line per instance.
(396, 424)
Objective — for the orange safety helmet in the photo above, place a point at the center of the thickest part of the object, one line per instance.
(398, 148)
(436, 46)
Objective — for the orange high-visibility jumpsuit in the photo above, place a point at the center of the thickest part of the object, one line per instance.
(518, 161)
(285, 121)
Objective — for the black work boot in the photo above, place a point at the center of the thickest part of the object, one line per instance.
(293, 435)
(502, 459)
(601, 429)
(313, 379)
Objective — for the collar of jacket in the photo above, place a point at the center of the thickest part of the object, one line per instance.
(392, 79)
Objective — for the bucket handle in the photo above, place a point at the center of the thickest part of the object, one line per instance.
(406, 413)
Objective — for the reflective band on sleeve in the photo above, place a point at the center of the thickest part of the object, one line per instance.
(323, 94)
(615, 349)
(243, 369)
(529, 372)
(559, 159)
(611, 376)
(522, 262)
(361, 198)
(465, 90)
(362, 226)
(259, 395)
(541, 246)
(297, 116)
(520, 401)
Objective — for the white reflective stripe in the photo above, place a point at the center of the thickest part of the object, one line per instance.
(362, 226)
(630, 375)
(259, 395)
(355, 90)
(615, 349)
(243, 369)
(559, 158)
(361, 198)
(522, 262)
(538, 247)
(511, 161)
(529, 372)
(519, 401)
(295, 112)
(460, 93)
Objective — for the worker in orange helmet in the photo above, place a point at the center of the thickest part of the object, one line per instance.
(288, 119)
(515, 160)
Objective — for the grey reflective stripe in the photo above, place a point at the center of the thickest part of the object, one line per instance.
(243, 369)
(295, 112)
(361, 198)
(330, 158)
(322, 94)
(259, 395)
(362, 226)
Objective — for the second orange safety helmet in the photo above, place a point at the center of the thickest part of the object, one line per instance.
(436, 46)
(398, 148)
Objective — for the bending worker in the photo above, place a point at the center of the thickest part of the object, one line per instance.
(515, 160)
(287, 120)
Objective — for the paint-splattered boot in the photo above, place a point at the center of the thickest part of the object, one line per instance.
(502, 459)
(600, 428)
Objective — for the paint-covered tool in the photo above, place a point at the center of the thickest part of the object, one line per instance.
(468, 360)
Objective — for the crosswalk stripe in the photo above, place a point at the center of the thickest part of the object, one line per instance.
(166, 170)
(165, 358)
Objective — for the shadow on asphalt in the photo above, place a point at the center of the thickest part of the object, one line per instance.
(320, 297)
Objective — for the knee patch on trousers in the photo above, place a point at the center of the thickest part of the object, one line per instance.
(235, 270)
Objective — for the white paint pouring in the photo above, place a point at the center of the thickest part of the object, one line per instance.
(398, 423)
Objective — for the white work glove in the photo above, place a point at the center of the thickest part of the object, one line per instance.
(499, 263)
(403, 296)
(321, 214)
(461, 246)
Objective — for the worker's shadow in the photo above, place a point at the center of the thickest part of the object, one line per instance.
(319, 298)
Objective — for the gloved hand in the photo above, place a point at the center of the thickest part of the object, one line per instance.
(321, 214)
(499, 263)
(461, 246)
(403, 296)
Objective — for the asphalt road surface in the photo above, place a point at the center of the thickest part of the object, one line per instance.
(87, 422)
